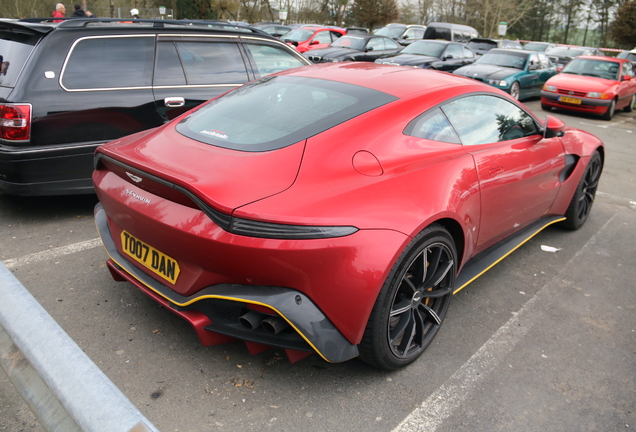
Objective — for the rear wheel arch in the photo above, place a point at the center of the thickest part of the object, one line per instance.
(457, 233)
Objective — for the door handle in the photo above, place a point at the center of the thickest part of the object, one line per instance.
(174, 102)
(495, 171)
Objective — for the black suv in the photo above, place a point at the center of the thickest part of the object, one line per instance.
(67, 87)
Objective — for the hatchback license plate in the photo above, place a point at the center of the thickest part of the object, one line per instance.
(570, 100)
(154, 260)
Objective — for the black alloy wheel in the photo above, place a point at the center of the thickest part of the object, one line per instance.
(413, 301)
(581, 204)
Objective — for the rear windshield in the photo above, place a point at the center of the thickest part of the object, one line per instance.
(535, 47)
(627, 55)
(482, 46)
(564, 52)
(505, 59)
(438, 33)
(278, 111)
(391, 31)
(14, 52)
(433, 49)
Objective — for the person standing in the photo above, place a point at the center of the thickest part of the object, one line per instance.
(59, 12)
(134, 13)
(79, 12)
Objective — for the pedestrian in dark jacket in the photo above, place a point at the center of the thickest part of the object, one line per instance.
(79, 12)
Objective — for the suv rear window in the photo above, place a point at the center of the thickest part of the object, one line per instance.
(278, 111)
(97, 63)
(438, 33)
(14, 52)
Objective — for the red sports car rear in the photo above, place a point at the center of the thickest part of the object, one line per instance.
(329, 209)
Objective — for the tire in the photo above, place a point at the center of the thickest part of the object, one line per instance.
(515, 91)
(610, 111)
(581, 204)
(630, 106)
(413, 301)
(545, 107)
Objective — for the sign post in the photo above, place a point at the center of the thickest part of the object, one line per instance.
(282, 15)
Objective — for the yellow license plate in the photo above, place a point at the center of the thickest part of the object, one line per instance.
(570, 100)
(154, 260)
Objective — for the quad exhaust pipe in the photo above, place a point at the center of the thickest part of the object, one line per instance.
(271, 324)
(251, 320)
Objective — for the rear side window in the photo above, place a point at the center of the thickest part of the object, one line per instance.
(168, 70)
(486, 119)
(454, 50)
(14, 52)
(278, 111)
(433, 125)
(109, 63)
(212, 63)
(270, 59)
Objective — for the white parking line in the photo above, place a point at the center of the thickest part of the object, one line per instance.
(442, 403)
(608, 125)
(53, 253)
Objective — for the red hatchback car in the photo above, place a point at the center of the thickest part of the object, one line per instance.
(592, 84)
(344, 225)
(306, 38)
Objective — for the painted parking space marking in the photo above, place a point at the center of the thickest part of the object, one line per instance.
(52, 253)
(442, 403)
(611, 125)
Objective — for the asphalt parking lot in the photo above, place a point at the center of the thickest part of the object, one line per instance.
(545, 341)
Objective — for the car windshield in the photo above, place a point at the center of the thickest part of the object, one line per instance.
(299, 35)
(535, 47)
(391, 31)
(433, 49)
(592, 68)
(353, 42)
(278, 111)
(564, 52)
(504, 59)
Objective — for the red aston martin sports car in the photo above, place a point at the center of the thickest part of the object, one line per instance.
(336, 208)
(592, 84)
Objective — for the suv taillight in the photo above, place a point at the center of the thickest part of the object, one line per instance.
(15, 122)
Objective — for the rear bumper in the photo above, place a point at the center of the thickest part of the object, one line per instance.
(215, 310)
(61, 170)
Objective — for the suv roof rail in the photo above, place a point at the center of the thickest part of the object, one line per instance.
(84, 22)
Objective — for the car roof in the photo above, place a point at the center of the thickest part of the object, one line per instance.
(45, 25)
(398, 81)
(366, 36)
(439, 41)
(513, 50)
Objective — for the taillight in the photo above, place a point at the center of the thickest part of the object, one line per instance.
(15, 122)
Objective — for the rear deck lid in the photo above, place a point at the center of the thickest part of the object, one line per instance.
(248, 144)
